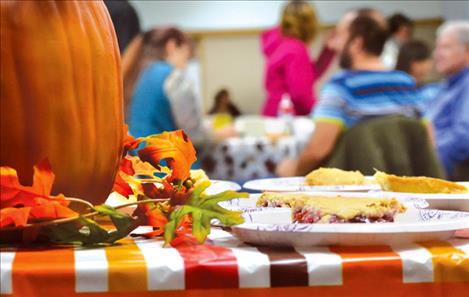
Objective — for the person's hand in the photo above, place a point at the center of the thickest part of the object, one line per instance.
(225, 132)
(287, 168)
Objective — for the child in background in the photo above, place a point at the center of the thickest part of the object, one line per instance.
(223, 109)
(415, 59)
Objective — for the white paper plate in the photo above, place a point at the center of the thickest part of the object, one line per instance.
(297, 184)
(219, 186)
(273, 227)
(438, 201)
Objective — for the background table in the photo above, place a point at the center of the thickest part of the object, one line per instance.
(242, 159)
(226, 267)
(259, 149)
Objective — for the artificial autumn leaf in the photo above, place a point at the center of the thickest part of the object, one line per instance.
(174, 147)
(13, 193)
(87, 232)
(186, 239)
(121, 186)
(126, 166)
(14, 216)
(155, 217)
(183, 233)
(51, 209)
(120, 183)
(202, 210)
(130, 143)
(35, 200)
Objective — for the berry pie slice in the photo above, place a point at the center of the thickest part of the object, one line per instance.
(329, 210)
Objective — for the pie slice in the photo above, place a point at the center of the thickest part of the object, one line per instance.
(329, 210)
(334, 177)
(417, 184)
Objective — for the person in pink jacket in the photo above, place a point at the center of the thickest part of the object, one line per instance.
(289, 68)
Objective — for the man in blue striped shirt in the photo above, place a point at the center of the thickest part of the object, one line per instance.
(364, 90)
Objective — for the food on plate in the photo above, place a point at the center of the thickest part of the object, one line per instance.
(328, 210)
(417, 184)
(333, 177)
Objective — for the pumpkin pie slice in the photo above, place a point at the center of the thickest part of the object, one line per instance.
(330, 210)
(334, 177)
(417, 184)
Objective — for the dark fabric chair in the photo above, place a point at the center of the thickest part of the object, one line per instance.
(395, 145)
(461, 172)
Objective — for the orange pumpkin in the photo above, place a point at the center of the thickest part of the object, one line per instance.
(61, 94)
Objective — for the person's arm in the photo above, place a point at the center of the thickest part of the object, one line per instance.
(185, 108)
(326, 56)
(454, 144)
(319, 147)
(300, 80)
(323, 61)
(330, 120)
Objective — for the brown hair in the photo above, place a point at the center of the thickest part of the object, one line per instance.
(144, 49)
(412, 51)
(397, 21)
(373, 33)
(299, 21)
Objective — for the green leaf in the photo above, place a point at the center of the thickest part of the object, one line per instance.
(86, 231)
(203, 209)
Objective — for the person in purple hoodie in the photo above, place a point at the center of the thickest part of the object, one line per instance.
(289, 68)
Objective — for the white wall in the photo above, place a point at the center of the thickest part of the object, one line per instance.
(453, 10)
(226, 15)
(234, 60)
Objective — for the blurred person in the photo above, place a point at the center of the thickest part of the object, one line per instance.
(364, 90)
(224, 105)
(158, 95)
(289, 68)
(449, 114)
(415, 58)
(400, 31)
(125, 21)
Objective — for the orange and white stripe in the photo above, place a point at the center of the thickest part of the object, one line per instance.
(91, 270)
(6, 283)
(165, 267)
(417, 264)
(324, 266)
(140, 265)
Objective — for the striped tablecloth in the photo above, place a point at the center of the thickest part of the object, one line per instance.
(226, 267)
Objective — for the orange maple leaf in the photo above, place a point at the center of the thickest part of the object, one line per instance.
(20, 203)
(14, 216)
(121, 185)
(153, 217)
(183, 234)
(130, 142)
(174, 147)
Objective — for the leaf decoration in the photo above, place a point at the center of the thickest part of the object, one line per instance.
(30, 202)
(121, 184)
(14, 216)
(174, 147)
(130, 143)
(202, 210)
(154, 217)
(183, 219)
(87, 232)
